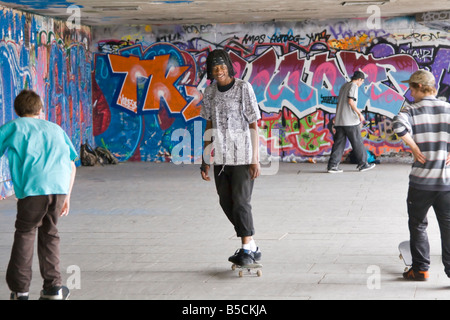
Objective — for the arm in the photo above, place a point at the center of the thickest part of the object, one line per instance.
(206, 164)
(354, 107)
(402, 127)
(255, 168)
(66, 206)
(418, 155)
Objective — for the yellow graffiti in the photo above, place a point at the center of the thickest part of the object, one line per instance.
(351, 43)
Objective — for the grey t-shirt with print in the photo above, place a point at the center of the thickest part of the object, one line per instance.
(230, 112)
(345, 115)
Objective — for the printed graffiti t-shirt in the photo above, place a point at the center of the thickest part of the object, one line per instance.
(231, 112)
(39, 154)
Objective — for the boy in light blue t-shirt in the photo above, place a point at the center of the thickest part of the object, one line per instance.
(41, 160)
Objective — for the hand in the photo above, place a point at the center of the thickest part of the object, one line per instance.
(361, 118)
(420, 157)
(447, 161)
(65, 208)
(205, 172)
(255, 171)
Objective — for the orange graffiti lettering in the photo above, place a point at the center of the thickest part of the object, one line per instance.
(161, 83)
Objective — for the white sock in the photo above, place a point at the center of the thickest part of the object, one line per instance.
(250, 246)
(22, 294)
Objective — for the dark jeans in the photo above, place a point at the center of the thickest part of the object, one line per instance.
(39, 213)
(419, 202)
(353, 133)
(234, 187)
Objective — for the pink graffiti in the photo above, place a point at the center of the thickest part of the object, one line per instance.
(307, 84)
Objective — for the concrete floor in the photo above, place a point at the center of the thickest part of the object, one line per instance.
(155, 231)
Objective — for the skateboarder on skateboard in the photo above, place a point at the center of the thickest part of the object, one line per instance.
(231, 112)
(425, 127)
(41, 159)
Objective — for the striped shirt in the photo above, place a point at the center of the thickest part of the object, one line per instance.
(428, 122)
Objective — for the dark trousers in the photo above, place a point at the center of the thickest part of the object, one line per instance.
(419, 202)
(39, 213)
(353, 133)
(234, 187)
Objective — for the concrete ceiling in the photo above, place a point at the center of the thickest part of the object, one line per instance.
(115, 12)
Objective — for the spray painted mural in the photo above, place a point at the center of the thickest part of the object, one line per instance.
(149, 82)
(45, 55)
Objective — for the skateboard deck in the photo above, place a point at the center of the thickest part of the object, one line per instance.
(248, 269)
(405, 254)
(65, 293)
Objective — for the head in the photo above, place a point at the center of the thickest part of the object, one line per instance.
(358, 78)
(28, 104)
(421, 84)
(219, 63)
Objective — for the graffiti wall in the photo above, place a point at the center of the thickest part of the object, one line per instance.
(43, 54)
(149, 82)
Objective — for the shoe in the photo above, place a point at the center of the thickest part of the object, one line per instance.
(335, 170)
(244, 257)
(416, 275)
(17, 296)
(257, 254)
(55, 293)
(366, 167)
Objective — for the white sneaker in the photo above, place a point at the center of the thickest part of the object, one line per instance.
(18, 296)
(55, 293)
(367, 167)
(335, 170)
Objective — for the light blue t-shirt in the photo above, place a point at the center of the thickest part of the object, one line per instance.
(39, 154)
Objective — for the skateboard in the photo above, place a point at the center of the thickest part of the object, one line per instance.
(65, 293)
(405, 254)
(248, 269)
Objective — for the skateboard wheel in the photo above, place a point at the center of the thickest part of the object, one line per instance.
(241, 274)
(259, 273)
(233, 267)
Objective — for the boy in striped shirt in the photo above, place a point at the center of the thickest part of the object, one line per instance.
(425, 127)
